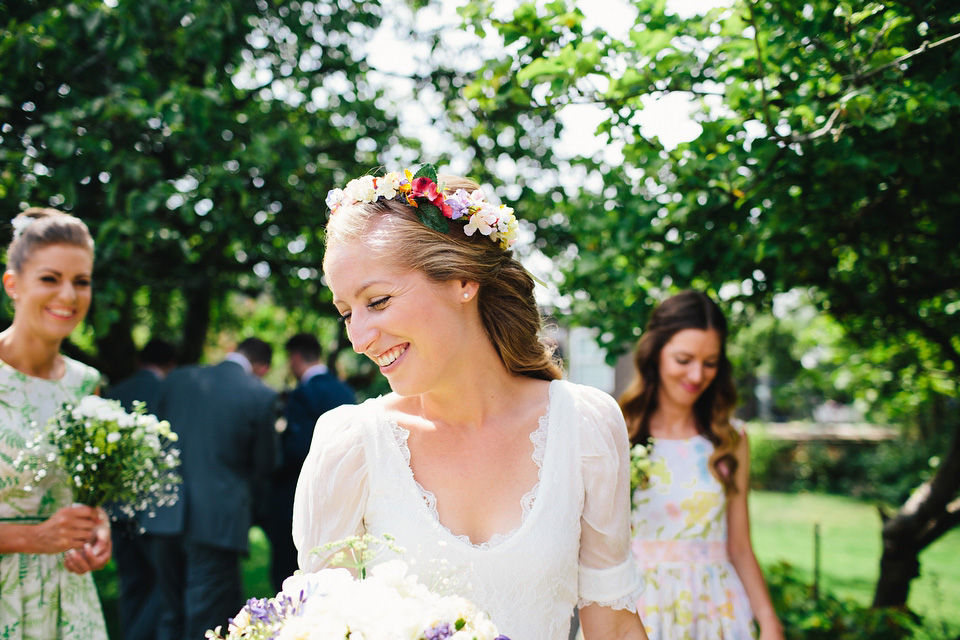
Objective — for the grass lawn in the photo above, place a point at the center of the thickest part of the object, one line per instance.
(782, 528)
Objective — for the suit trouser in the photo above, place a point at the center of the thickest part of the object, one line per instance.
(201, 586)
(139, 603)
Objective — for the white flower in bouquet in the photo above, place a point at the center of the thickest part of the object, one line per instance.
(114, 459)
(389, 604)
(643, 466)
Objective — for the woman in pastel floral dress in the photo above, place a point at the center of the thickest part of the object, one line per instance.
(690, 524)
(47, 545)
(503, 483)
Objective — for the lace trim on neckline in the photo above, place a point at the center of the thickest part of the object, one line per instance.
(539, 439)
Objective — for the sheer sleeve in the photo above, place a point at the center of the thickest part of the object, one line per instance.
(608, 574)
(332, 489)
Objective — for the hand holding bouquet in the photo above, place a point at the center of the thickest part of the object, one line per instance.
(114, 459)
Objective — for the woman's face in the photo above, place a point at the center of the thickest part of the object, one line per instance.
(52, 291)
(688, 364)
(407, 324)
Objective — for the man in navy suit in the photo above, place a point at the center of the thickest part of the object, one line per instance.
(225, 418)
(318, 390)
(139, 602)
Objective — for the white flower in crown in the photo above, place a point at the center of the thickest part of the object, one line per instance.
(363, 189)
(20, 224)
(483, 220)
(335, 199)
(388, 185)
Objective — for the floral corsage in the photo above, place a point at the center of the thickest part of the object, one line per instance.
(641, 466)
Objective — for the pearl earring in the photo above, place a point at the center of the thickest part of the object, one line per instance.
(466, 296)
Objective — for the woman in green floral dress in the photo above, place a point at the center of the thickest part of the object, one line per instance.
(48, 545)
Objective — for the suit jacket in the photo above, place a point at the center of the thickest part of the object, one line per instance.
(144, 385)
(305, 404)
(225, 420)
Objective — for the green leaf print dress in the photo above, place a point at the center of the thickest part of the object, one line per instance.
(39, 598)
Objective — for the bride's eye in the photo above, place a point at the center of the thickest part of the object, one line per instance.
(344, 318)
(379, 303)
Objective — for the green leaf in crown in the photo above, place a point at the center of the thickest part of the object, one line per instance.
(430, 215)
(427, 171)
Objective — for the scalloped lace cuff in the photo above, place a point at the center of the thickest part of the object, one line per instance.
(615, 587)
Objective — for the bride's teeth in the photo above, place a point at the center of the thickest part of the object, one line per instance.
(390, 356)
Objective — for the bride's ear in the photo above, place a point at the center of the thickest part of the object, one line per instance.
(467, 290)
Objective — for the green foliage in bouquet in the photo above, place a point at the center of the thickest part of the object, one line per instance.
(113, 459)
(357, 552)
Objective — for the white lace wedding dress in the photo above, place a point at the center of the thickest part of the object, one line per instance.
(571, 547)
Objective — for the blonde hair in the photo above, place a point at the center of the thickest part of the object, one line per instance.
(39, 227)
(505, 299)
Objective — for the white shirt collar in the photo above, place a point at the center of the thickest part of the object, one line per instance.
(241, 360)
(315, 370)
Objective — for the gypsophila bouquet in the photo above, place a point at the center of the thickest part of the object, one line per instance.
(113, 459)
(332, 604)
(641, 466)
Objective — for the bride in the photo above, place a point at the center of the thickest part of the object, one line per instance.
(503, 482)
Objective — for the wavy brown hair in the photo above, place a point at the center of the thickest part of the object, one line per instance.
(506, 302)
(713, 409)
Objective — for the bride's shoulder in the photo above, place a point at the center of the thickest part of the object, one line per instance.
(350, 417)
(585, 397)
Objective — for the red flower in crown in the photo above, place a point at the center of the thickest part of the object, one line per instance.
(424, 187)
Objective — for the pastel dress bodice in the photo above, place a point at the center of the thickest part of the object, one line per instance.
(39, 598)
(572, 546)
(679, 539)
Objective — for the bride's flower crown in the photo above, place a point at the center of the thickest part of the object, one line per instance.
(434, 207)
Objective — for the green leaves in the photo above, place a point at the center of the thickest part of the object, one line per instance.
(431, 216)
(183, 134)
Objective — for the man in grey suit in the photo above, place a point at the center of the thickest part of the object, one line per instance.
(224, 416)
(318, 390)
(139, 603)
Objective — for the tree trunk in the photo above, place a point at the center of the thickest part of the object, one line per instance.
(930, 512)
(116, 351)
(197, 321)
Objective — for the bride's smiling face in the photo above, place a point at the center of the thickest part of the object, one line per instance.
(406, 323)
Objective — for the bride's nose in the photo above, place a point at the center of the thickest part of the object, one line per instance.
(362, 333)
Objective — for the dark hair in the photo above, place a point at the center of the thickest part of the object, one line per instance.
(506, 302)
(41, 227)
(256, 351)
(712, 410)
(306, 344)
(158, 352)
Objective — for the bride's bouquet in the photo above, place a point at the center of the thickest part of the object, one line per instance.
(114, 459)
(388, 604)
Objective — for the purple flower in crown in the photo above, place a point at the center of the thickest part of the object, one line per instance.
(459, 204)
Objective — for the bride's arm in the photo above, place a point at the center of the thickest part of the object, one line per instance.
(610, 582)
(604, 623)
(332, 490)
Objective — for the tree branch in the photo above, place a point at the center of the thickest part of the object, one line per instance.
(858, 79)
